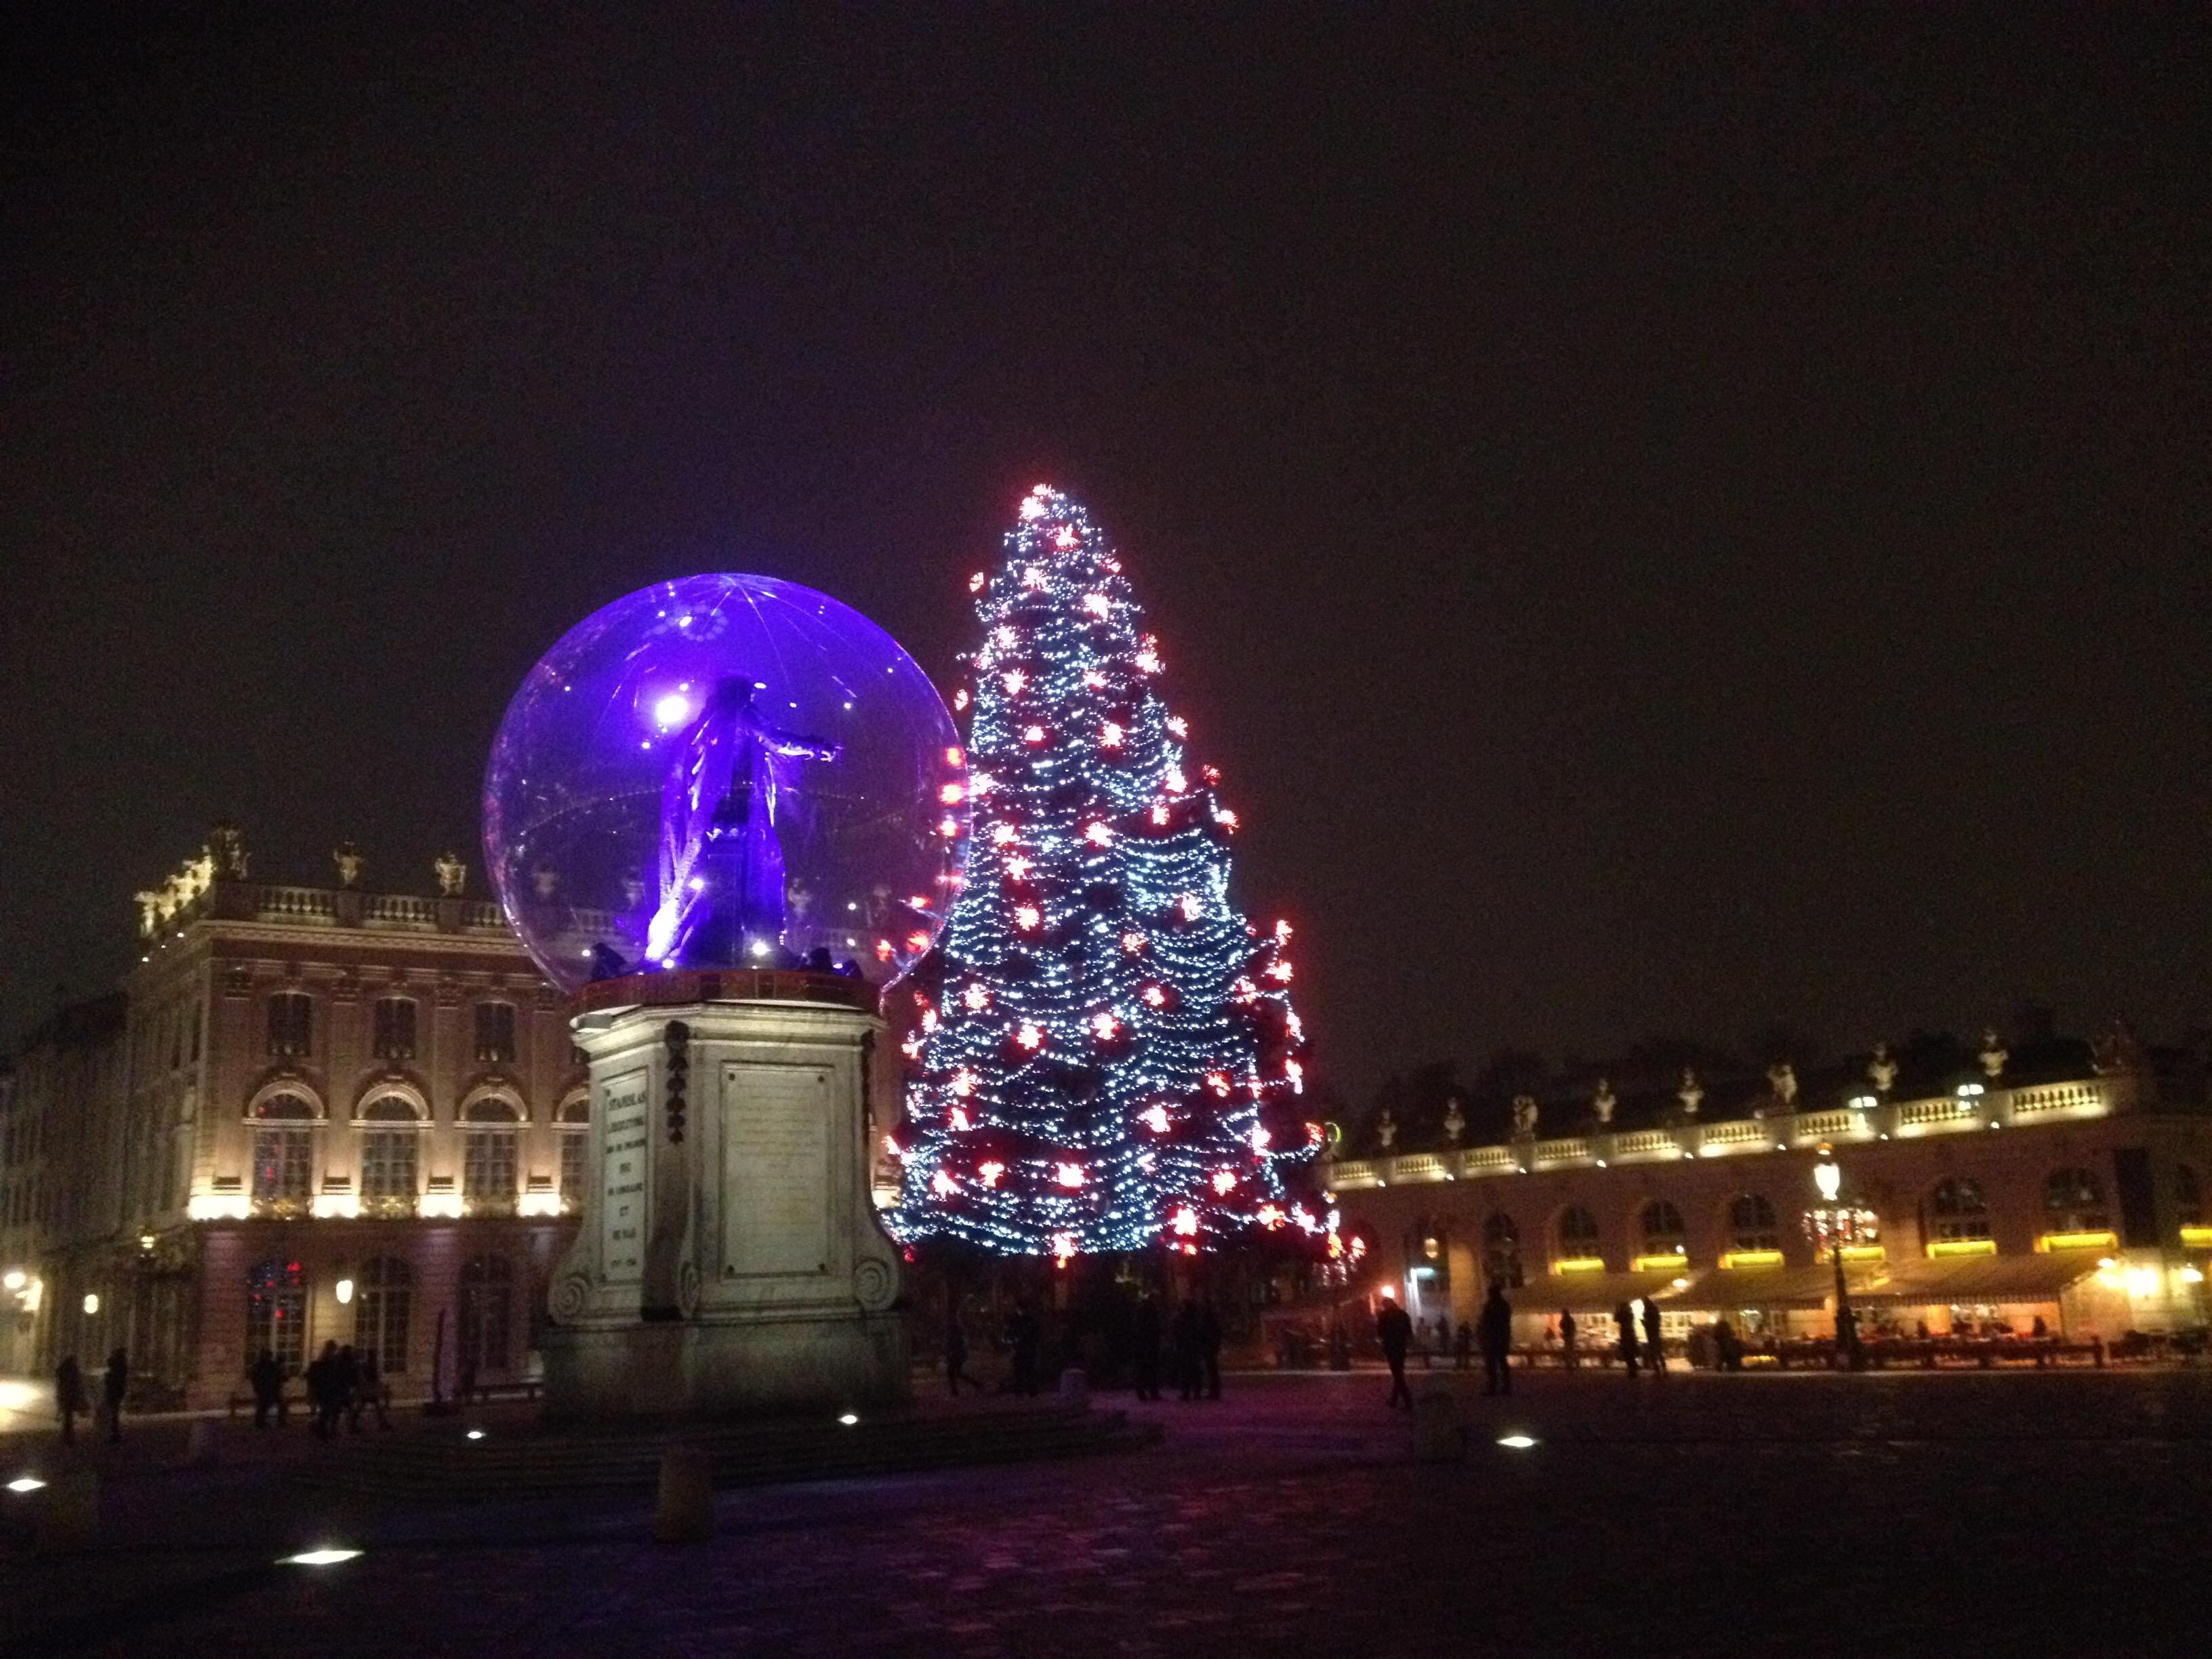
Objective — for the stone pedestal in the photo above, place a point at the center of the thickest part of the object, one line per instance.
(730, 1259)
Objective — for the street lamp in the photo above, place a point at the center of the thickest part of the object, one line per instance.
(1828, 1179)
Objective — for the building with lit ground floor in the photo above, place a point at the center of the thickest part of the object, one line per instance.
(316, 1114)
(2079, 1203)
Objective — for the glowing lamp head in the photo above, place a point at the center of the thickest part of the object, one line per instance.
(1828, 1176)
(672, 710)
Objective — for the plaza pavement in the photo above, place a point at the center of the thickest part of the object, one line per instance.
(2061, 1512)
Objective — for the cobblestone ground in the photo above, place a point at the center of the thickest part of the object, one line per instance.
(1747, 1515)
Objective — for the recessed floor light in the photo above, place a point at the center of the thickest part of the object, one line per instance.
(848, 1419)
(326, 1558)
(476, 1434)
(25, 1482)
(1518, 1442)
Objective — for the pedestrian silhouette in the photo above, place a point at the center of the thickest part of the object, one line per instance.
(1463, 1345)
(267, 1378)
(68, 1396)
(1655, 1344)
(1151, 1331)
(1393, 1329)
(1567, 1354)
(1183, 1341)
(370, 1391)
(956, 1353)
(1209, 1348)
(115, 1384)
(1624, 1325)
(1497, 1342)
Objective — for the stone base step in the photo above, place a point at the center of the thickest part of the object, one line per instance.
(444, 1465)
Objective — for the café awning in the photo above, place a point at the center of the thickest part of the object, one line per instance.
(1732, 1290)
(1583, 1293)
(1969, 1279)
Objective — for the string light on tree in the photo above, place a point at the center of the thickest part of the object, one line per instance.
(1108, 1060)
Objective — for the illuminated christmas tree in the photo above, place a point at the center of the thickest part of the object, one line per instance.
(1107, 1056)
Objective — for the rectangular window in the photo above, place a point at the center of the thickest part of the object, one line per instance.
(284, 1166)
(388, 1167)
(291, 1024)
(395, 1029)
(487, 1169)
(575, 1167)
(495, 1032)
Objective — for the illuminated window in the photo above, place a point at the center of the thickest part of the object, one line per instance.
(1751, 1223)
(2188, 1197)
(1501, 1251)
(1660, 1224)
(487, 1160)
(384, 1302)
(395, 1028)
(1956, 1209)
(2074, 1203)
(487, 1310)
(1578, 1233)
(291, 1024)
(495, 1032)
(276, 1314)
(388, 1165)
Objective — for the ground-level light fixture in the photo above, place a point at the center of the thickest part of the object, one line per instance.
(849, 1420)
(473, 1434)
(1517, 1442)
(319, 1558)
(25, 1482)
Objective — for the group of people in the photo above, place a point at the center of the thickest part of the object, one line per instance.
(1492, 1332)
(341, 1384)
(71, 1397)
(1189, 1347)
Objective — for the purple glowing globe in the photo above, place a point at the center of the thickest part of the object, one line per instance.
(725, 772)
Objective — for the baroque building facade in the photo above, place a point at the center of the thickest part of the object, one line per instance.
(314, 1115)
(2080, 1202)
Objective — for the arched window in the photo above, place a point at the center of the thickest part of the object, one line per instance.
(389, 1161)
(2188, 1197)
(487, 1313)
(395, 1028)
(2074, 1203)
(1578, 1231)
(489, 1132)
(291, 1024)
(277, 1313)
(284, 1156)
(1501, 1251)
(384, 1303)
(575, 1129)
(1751, 1223)
(1660, 1225)
(1956, 1209)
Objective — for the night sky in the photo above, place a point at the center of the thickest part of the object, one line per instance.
(1669, 519)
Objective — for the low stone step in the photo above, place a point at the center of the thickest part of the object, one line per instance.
(446, 1465)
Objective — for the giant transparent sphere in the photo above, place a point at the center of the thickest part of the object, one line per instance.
(720, 772)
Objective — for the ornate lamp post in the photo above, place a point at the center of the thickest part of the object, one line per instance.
(1837, 1221)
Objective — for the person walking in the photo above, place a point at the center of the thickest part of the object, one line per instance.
(323, 1390)
(1393, 1329)
(1150, 1333)
(68, 1396)
(370, 1391)
(1463, 1345)
(1655, 1344)
(267, 1378)
(1209, 1347)
(113, 1387)
(1624, 1327)
(1567, 1355)
(1183, 1341)
(1497, 1342)
(349, 1387)
(1024, 1332)
(956, 1353)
